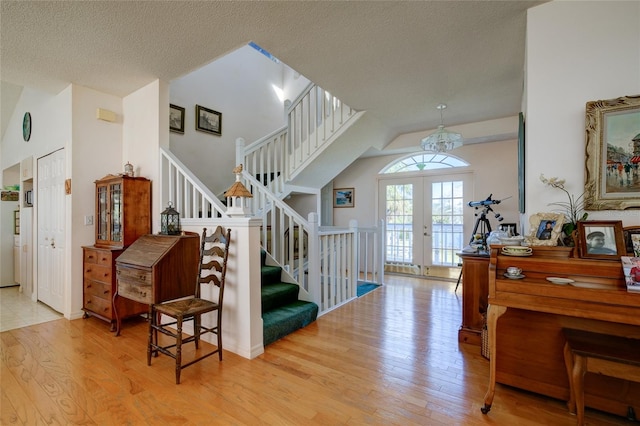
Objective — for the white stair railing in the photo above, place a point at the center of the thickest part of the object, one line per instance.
(188, 195)
(314, 120)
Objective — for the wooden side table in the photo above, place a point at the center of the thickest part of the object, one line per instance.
(475, 290)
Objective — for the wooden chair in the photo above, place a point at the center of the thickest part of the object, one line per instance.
(214, 250)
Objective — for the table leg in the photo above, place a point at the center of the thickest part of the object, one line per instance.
(493, 313)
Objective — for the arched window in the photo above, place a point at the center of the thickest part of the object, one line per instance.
(423, 161)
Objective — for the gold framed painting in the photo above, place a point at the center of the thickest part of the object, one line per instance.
(613, 154)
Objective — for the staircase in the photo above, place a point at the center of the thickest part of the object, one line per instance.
(320, 265)
(282, 311)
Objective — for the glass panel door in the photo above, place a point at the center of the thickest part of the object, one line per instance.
(425, 222)
(116, 212)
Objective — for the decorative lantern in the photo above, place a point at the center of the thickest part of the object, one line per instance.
(238, 197)
(170, 221)
(128, 169)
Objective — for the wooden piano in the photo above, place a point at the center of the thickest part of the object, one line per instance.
(526, 317)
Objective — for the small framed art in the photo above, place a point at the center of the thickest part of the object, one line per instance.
(208, 120)
(343, 197)
(176, 119)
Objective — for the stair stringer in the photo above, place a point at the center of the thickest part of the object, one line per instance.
(333, 159)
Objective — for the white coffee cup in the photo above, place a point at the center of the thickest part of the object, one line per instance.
(514, 271)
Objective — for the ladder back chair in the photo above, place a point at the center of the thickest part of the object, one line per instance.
(214, 250)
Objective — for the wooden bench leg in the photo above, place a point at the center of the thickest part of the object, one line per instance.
(579, 369)
(568, 362)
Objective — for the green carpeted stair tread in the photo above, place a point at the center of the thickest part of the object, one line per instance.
(270, 274)
(277, 295)
(282, 321)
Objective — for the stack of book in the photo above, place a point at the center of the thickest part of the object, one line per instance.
(631, 268)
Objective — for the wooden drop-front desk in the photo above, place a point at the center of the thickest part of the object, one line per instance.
(526, 317)
(157, 268)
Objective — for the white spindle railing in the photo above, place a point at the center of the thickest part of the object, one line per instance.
(315, 117)
(314, 120)
(189, 196)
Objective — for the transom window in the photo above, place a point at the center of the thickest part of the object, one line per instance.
(423, 161)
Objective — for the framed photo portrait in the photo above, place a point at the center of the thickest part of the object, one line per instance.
(631, 236)
(545, 229)
(176, 119)
(612, 154)
(601, 239)
(208, 120)
(343, 197)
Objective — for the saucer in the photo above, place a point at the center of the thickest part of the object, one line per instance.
(514, 277)
(558, 280)
(523, 254)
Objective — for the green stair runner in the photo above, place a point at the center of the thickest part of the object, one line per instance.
(282, 312)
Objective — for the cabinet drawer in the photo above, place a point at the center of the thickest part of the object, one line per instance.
(97, 272)
(98, 305)
(97, 288)
(135, 284)
(100, 257)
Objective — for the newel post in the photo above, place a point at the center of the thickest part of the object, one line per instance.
(314, 259)
(354, 271)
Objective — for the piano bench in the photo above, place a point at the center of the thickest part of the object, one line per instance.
(613, 356)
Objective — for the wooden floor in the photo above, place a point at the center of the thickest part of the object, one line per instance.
(391, 357)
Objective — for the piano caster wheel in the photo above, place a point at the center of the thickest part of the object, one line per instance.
(486, 408)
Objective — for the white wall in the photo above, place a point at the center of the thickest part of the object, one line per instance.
(577, 51)
(494, 167)
(146, 127)
(238, 85)
(95, 151)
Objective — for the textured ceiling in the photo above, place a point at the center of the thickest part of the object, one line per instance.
(397, 60)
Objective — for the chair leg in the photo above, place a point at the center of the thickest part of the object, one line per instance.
(178, 349)
(219, 334)
(196, 330)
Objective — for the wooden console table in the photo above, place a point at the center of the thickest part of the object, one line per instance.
(475, 290)
(526, 318)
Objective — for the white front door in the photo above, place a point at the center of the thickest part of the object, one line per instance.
(425, 220)
(51, 229)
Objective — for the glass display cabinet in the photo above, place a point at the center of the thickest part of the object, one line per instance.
(123, 210)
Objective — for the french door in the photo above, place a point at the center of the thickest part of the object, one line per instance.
(426, 220)
(51, 230)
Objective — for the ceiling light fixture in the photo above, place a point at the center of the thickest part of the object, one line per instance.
(442, 140)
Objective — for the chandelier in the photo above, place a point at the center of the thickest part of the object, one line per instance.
(442, 140)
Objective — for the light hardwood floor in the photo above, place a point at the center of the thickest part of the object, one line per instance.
(391, 357)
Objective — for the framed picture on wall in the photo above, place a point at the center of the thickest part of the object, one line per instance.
(208, 120)
(176, 119)
(343, 197)
(613, 154)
